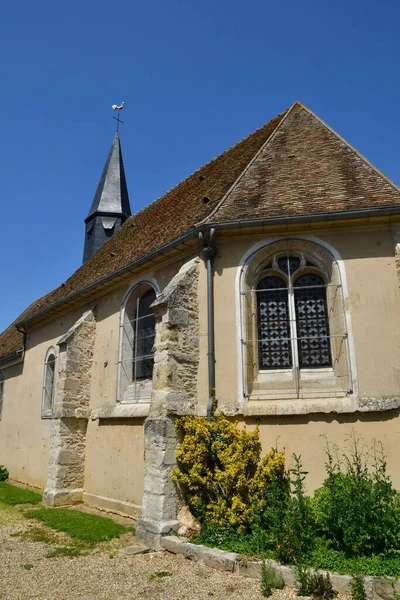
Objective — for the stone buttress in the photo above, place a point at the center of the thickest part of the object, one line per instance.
(176, 362)
(70, 415)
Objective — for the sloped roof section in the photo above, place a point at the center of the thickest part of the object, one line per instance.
(293, 165)
(169, 217)
(305, 168)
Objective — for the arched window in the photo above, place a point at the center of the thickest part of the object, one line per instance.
(292, 311)
(1, 393)
(137, 332)
(48, 383)
(293, 329)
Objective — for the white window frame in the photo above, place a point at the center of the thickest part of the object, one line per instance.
(140, 390)
(47, 406)
(267, 249)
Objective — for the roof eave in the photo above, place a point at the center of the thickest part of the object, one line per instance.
(303, 218)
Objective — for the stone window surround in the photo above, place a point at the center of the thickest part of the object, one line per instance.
(48, 413)
(250, 406)
(131, 410)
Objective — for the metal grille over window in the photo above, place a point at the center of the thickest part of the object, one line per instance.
(136, 349)
(1, 393)
(293, 325)
(48, 384)
(312, 322)
(273, 324)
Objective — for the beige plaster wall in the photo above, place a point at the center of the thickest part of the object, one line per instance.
(374, 302)
(114, 465)
(304, 436)
(114, 459)
(114, 448)
(24, 435)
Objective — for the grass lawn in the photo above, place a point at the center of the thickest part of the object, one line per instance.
(12, 495)
(87, 528)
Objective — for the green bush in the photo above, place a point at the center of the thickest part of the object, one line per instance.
(297, 534)
(220, 472)
(320, 586)
(357, 587)
(4, 474)
(311, 583)
(271, 579)
(379, 565)
(258, 508)
(357, 509)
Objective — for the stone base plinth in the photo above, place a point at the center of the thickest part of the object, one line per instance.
(151, 531)
(52, 497)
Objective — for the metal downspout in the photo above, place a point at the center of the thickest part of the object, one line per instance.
(207, 254)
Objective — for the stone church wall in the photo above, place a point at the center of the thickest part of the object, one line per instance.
(374, 305)
(24, 435)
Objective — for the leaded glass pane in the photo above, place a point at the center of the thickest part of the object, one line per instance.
(143, 351)
(48, 390)
(289, 262)
(274, 347)
(312, 322)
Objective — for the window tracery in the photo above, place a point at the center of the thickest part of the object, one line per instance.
(294, 332)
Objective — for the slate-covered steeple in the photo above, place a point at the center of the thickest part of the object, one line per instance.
(110, 207)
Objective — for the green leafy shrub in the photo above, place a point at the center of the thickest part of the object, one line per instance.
(357, 587)
(297, 534)
(271, 579)
(323, 557)
(220, 472)
(4, 474)
(258, 508)
(320, 586)
(357, 509)
(315, 584)
(302, 575)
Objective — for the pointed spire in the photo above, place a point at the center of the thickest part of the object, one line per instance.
(110, 207)
(112, 193)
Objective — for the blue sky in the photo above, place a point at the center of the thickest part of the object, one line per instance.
(196, 77)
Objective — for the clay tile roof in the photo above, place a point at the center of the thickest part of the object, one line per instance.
(293, 165)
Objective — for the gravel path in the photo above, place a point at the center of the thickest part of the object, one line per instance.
(26, 573)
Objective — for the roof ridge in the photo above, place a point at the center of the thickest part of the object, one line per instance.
(351, 147)
(182, 181)
(242, 174)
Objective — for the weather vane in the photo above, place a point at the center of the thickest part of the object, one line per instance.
(118, 108)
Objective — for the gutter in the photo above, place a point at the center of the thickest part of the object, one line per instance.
(208, 253)
(14, 358)
(306, 218)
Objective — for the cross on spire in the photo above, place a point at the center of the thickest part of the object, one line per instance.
(118, 108)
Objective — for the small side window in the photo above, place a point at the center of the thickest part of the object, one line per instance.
(1, 392)
(48, 384)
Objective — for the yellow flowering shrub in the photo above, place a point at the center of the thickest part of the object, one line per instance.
(220, 472)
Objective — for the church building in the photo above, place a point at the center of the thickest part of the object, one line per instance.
(270, 275)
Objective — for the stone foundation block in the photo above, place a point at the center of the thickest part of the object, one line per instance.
(250, 568)
(152, 531)
(172, 543)
(64, 497)
(218, 559)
